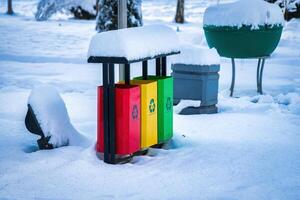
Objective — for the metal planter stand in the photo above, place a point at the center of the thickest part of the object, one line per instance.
(259, 75)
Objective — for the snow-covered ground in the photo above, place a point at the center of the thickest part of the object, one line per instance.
(249, 150)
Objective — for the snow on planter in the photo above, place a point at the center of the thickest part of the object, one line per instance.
(191, 55)
(243, 12)
(53, 118)
(134, 43)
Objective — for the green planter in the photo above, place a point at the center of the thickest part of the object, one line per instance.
(165, 107)
(244, 42)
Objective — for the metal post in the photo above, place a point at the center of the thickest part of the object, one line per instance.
(145, 70)
(164, 66)
(158, 66)
(105, 111)
(122, 23)
(233, 77)
(261, 76)
(127, 74)
(111, 114)
(258, 75)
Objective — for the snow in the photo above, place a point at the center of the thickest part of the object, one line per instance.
(51, 113)
(243, 12)
(135, 43)
(186, 103)
(249, 150)
(197, 56)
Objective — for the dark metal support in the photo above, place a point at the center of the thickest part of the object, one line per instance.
(164, 66)
(145, 70)
(233, 77)
(127, 74)
(111, 114)
(257, 74)
(261, 76)
(105, 111)
(158, 66)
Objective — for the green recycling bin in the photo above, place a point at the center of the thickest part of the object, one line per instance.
(165, 106)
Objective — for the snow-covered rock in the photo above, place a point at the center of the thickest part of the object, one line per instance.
(46, 8)
(243, 12)
(135, 43)
(52, 115)
(192, 55)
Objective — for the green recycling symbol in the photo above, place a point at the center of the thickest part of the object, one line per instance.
(169, 104)
(152, 106)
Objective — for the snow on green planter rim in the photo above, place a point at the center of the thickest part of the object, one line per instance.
(254, 13)
(135, 43)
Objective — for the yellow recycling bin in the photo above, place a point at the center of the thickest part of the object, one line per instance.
(148, 112)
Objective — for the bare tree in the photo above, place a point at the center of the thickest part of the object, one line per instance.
(179, 17)
(9, 7)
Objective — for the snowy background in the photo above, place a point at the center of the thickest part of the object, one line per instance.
(249, 150)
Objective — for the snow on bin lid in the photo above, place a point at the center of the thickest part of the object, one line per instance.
(191, 55)
(134, 43)
(243, 12)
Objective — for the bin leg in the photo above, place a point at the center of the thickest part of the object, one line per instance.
(145, 70)
(233, 77)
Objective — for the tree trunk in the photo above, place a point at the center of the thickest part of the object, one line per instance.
(9, 7)
(179, 17)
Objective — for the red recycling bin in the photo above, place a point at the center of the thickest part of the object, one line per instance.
(127, 119)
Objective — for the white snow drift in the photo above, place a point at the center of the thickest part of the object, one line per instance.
(52, 115)
(135, 43)
(243, 12)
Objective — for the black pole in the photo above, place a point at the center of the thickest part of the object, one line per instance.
(158, 66)
(164, 66)
(145, 70)
(111, 114)
(127, 74)
(105, 111)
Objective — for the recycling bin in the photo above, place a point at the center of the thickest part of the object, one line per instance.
(127, 119)
(165, 106)
(148, 112)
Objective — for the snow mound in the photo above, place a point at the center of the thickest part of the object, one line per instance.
(52, 115)
(197, 56)
(243, 12)
(134, 43)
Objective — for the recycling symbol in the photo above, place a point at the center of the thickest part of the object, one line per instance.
(169, 104)
(152, 106)
(135, 112)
